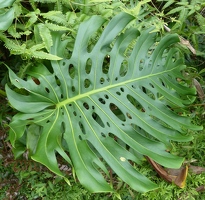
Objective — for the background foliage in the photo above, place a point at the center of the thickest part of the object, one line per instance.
(26, 40)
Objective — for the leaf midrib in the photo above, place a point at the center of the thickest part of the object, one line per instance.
(80, 96)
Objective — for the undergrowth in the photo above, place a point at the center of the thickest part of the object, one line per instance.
(27, 41)
(24, 179)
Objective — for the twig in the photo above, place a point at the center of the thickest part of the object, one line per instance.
(183, 41)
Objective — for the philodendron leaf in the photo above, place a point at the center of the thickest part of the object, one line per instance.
(6, 19)
(6, 3)
(105, 105)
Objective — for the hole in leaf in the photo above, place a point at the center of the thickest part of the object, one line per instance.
(35, 80)
(91, 43)
(101, 100)
(108, 124)
(106, 96)
(80, 137)
(134, 102)
(88, 66)
(71, 71)
(93, 107)
(57, 81)
(129, 116)
(116, 78)
(62, 96)
(148, 92)
(139, 130)
(113, 136)
(63, 63)
(87, 83)
(102, 80)
(97, 118)
(106, 63)
(122, 89)
(75, 114)
(123, 68)
(151, 85)
(103, 135)
(73, 89)
(86, 106)
(117, 112)
(47, 90)
(62, 129)
(82, 128)
(118, 93)
(162, 82)
(141, 66)
(17, 80)
(143, 89)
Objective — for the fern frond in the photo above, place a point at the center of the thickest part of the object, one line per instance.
(58, 6)
(55, 16)
(43, 55)
(12, 31)
(54, 27)
(14, 47)
(18, 9)
(33, 4)
(33, 18)
(201, 21)
(45, 1)
(71, 17)
(45, 35)
(26, 32)
(37, 47)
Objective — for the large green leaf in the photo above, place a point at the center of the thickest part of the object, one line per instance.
(6, 3)
(6, 19)
(105, 106)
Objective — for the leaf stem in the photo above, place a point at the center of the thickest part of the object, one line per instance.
(85, 8)
(23, 70)
(2, 93)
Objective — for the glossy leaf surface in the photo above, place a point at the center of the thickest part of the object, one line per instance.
(107, 105)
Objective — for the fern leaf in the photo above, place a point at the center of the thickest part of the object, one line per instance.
(71, 17)
(14, 47)
(12, 31)
(54, 27)
(45, 35)
(169, 3)
(45, 1)
(44, 55)
(33, 18)
(175, 10)
(55, 16)
(26, 32)
(201, 21)
(37, 47)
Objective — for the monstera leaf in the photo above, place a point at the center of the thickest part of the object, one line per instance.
(111, 103)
